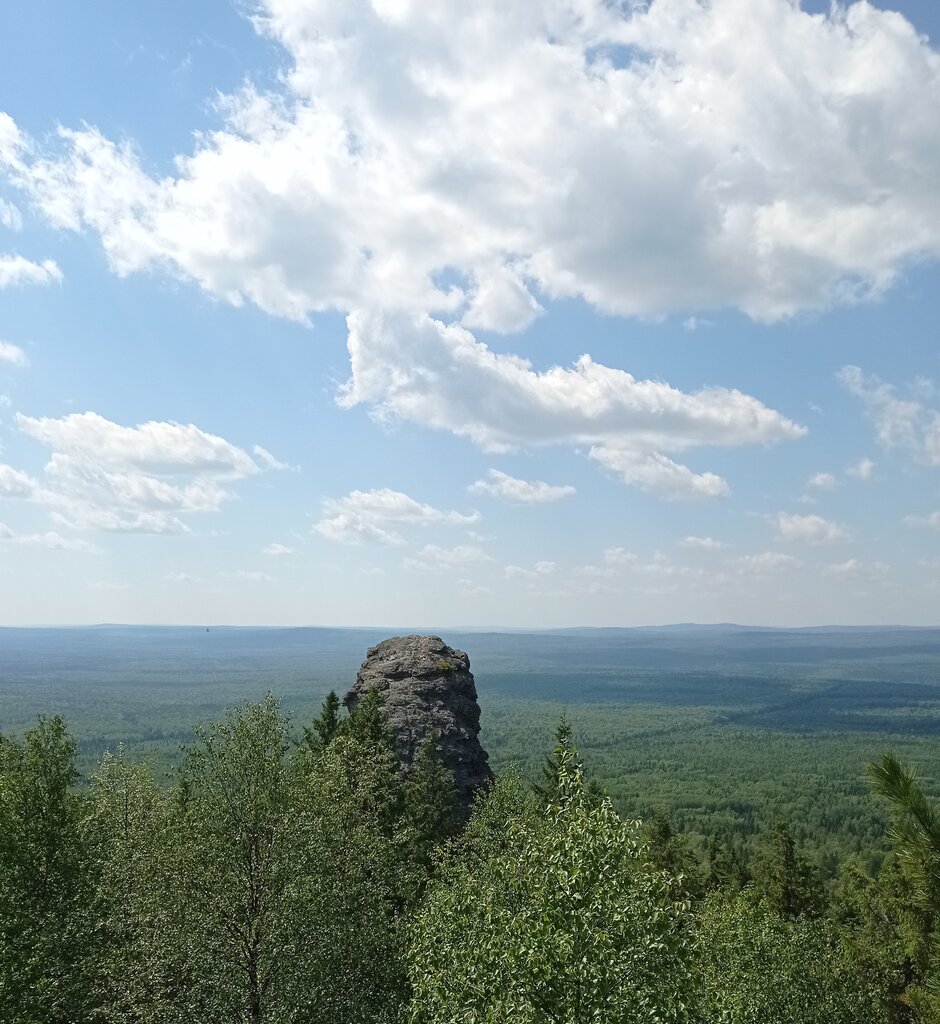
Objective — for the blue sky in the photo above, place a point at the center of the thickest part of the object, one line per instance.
(520, 314)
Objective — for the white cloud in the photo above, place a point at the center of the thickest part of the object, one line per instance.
(164, 446)
(457, 383)
(432, 558)
(106, 585)
(181, 577)
(900, 422)
(373, 515)
(10, 216)
(101, 475)
(16, 484)
(12, 142)
(655, 473)
(502, 485)
(601, 572)
(853, 568)
(809, 529)
(422, 370)
(933, 520)
(684, 157)
(55, 542)
(249, 576)
(822, 481)
(277, 550)
(681, 155)
(50, 540)
(619, 556)
(702, 543)
(767, 563)
(17, 270)
(863, 470)
(540, 569)
(267, 459)
(663, 565)
(10, 353)
(500, 301)
(470, 589)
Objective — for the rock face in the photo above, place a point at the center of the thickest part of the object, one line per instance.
(428, 687)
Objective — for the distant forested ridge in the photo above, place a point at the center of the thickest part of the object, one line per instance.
(295, 875)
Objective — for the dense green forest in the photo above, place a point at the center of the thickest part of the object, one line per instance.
(281, 879)
(719, 856)
(723, 730)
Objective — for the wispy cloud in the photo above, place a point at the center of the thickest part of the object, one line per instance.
(527, 492)
(378, 515)
(277, 550)
(766, 563)
(809, 529)
(822, 482)
(702, 543)
(931, 519)
(432, 558)
(10, 353)
(50, 540)
(855, 569)
(17, 270)
(901, 422)
(863, 469)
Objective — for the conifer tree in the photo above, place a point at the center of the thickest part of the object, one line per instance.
(563, 751)
(430, 800)
(325, 726)
(785, 877)
(916, 837)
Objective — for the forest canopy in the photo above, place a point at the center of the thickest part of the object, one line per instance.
(289, 875)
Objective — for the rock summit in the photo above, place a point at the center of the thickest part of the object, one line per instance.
(428, 687)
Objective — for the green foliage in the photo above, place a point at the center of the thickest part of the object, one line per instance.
(360, 887)
(885, 933)
(326, 725)
(45, 934)
(235, 848)
(762, 968)
(668, 850)
(725, 863)
(549, 789)
(285, 882)
(916, 838)
(127, 832)
(726, 732)
(430, 801)
(563, 920)
(270, 886)
(784, 876)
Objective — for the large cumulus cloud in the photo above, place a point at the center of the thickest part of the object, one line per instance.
(465, 164)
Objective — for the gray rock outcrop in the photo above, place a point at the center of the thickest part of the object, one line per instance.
(428, 687)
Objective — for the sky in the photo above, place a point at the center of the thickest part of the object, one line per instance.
(520, 313)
